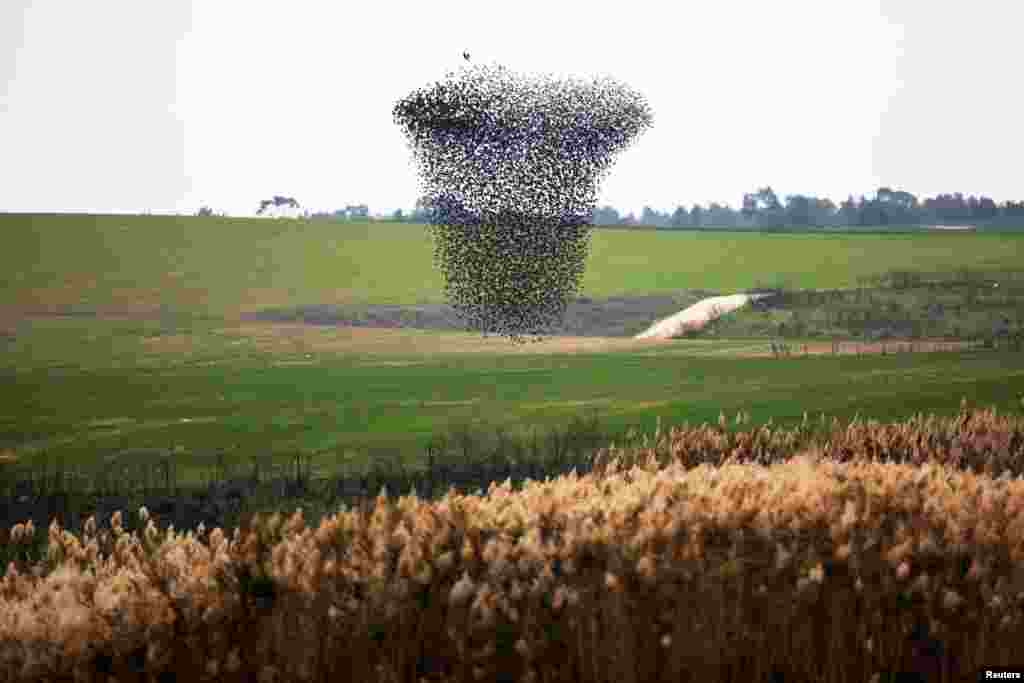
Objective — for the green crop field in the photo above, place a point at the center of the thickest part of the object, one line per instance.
(224, 265)
(80, 402)
(82, 386)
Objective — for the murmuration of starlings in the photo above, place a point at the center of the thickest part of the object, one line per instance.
(510, 166)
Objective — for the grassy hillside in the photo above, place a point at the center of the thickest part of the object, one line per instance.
(227, 265)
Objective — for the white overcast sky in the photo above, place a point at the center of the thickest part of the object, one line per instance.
(165, 105)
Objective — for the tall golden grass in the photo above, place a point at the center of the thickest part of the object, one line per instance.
(711, 555)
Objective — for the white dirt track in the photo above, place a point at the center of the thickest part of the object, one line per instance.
(697, 316)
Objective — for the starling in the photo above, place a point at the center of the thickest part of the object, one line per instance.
(510, 270)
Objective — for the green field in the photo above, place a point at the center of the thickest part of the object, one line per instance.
(82, 387)
(223, 265)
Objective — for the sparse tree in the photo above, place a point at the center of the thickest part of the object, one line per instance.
(606, 215)
(823, 212)
(357, 211)
(680, 218)
(798, 210)
(277, 201)
(848, 214)
(1013, 209)
(697, 216)
(423, 210)
(893, 207)
(986, 209)
(720, 215)
(769, 210)
(654, 218)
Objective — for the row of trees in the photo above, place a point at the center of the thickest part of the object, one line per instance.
(760, 209)
(357, 211)
(764, 209)
(276, 202)
(289, 206)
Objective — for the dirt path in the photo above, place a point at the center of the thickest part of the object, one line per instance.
(698, 315)
(312, 339)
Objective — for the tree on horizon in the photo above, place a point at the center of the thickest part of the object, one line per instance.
(277, 201)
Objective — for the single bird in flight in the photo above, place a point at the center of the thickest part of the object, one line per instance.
(465, 55)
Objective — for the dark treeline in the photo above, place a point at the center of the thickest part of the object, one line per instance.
(764, 210)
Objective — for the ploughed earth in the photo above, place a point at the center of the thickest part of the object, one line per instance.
(620, 316)
(588, 323)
